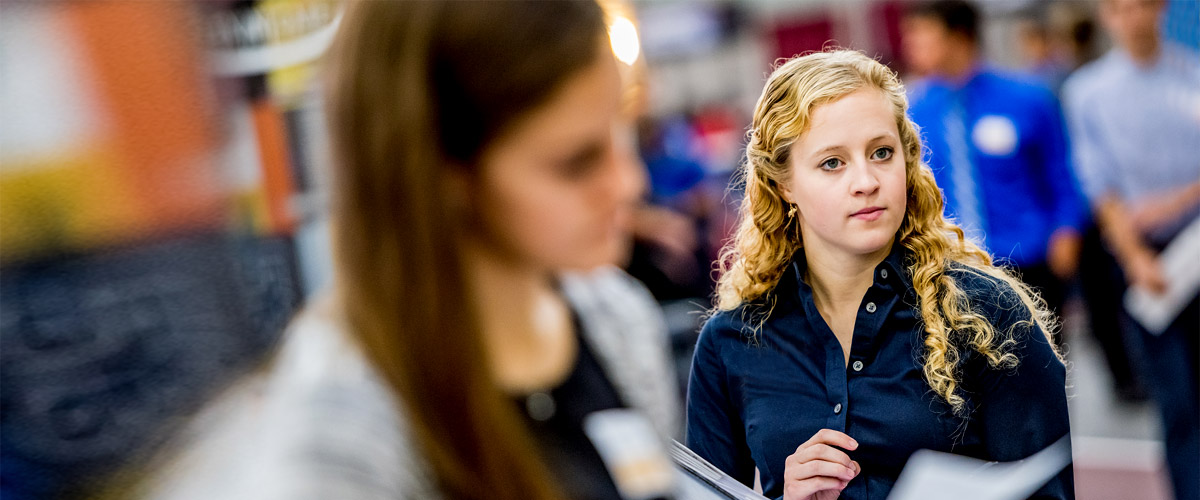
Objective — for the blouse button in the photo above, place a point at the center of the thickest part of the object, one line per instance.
(870, 307)
(540, 406)
(883, 273)
(837, 409)
(857, 366)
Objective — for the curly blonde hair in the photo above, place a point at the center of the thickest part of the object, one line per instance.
(766, 239)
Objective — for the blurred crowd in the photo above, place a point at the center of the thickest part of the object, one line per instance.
(164, 194)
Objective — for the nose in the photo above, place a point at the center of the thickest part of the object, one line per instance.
(864, 180)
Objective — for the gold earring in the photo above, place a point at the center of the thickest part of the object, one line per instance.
(792, 211)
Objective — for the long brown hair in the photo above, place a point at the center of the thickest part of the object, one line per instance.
(419, 88)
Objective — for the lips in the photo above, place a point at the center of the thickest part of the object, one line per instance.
(869, 214)
(867, 211)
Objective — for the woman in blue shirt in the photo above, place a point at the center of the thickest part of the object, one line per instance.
(854, 323)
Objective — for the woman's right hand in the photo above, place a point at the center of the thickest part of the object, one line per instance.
(818, 470)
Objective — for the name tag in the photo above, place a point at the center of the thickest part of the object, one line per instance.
(632, 452)
(995, 135)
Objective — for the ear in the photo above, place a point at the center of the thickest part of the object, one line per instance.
(786, 193)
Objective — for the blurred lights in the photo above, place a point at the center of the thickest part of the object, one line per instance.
(624, 39)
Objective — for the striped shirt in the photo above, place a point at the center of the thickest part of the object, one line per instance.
(321, 424)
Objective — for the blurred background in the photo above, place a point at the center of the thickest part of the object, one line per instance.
(163, 201)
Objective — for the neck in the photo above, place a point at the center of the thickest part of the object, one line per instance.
(1144, 53)
(839, 279)
(959, 66)
(525, 322)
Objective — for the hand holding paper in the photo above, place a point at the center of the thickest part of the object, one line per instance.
(1181, 267)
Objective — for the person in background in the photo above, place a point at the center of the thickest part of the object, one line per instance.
(1055, 40)
(668, 254)
(998, 147)
(1100, 285)
(478, 343)
(854, 324)
(1135, 120)
(1039, 49)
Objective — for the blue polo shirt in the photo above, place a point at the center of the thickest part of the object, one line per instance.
(752, 400)
(1014, 139)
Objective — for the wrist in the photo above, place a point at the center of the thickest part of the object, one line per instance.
(1135, 254)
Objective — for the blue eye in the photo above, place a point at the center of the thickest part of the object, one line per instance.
(831, 164)
(882, 154)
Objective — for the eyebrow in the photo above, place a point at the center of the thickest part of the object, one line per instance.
(839, 147)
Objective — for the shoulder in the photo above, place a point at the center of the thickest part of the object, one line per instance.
(623, 323)
(1090, 72)
(735, 328)
(1016, 86)
(1182, 61)
(344, 411)
(1089, 80)
(924, 94)
(743, 324)
(316, 423)
(607, 299)
(605, 286)
(1016, 330)
(721, 334)
(980, 285)
(318, 349)
(1014, 323)
(917, 89)
(989, 295)
(1014, 79)
(730, 323)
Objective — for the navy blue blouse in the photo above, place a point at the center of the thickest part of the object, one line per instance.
(752, 400)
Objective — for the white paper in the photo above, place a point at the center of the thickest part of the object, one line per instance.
(699, 480)
(691, 487)
(931, 475)
(1180, 263)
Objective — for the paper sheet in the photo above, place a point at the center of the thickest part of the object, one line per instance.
(931, 475)
(699, 480)
(1181, 267)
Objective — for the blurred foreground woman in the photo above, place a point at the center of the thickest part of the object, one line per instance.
(477, 345)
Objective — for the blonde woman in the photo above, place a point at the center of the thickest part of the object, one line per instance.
(854, 324)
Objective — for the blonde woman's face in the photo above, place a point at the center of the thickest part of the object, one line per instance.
(847, 176)
(558, 191)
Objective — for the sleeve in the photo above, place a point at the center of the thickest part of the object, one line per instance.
(714, 426)
(318, 424)
(1024, 409)
(1069, 203)
(1090, 155)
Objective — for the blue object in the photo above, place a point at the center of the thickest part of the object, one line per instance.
(1179, 23)
(1016, 143)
